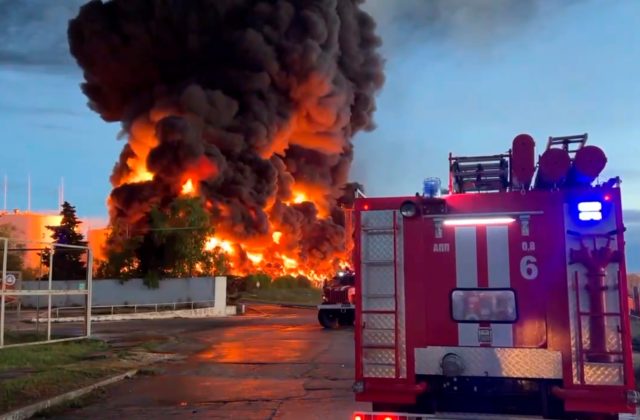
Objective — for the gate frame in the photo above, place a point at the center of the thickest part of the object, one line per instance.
(49, 292)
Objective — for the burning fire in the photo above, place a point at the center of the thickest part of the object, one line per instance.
(300, 198)
(268, 258)
(266, 144)
(255, 258)
(188, 188)
(213, 243)
(141, 175)
(273, 254)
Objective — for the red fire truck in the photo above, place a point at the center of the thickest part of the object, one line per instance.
(337, 308)
(506, 296)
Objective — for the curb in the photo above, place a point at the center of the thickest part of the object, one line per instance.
(30, 410)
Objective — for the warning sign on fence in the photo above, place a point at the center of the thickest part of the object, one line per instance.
(10, 283)
(10, 280)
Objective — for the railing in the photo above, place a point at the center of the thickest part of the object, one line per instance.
(135, 308)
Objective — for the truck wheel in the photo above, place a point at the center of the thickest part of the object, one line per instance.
(328, 318)
(346, 319)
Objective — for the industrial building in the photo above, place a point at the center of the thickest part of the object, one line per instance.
(30, 228)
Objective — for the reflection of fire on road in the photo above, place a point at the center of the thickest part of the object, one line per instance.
(231, 349)
(251, 107)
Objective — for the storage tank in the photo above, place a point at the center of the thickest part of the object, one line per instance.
(523, 161)
(588, 163)
(553, 168)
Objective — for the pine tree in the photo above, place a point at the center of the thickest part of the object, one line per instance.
(67, 262)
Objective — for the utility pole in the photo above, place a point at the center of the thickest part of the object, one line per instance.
(61, 192)
(29, 193)
(6, 187)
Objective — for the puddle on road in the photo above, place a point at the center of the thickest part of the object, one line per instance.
(260, 351)
(263, 344)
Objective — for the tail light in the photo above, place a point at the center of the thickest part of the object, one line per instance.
(368, 416)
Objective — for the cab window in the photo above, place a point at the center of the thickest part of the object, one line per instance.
(484, 305)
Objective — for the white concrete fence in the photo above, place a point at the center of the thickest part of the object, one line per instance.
(111, 292)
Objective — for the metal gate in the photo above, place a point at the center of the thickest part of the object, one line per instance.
(8, 293)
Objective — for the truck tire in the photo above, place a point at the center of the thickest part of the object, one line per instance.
(346, 319)
(329, 318)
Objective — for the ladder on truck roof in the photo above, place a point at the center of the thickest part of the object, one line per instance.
(479, 173)
(565, 142)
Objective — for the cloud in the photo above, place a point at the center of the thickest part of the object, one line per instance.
(631, 216)
(461, 22)
(632, 249)
(34, 32)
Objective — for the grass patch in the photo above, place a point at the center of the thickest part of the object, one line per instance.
(299, 296)
(32, 373)
(43, 356)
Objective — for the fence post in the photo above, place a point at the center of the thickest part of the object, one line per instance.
(89, 291)
(220, 296)
(4, 287)
(53, 251)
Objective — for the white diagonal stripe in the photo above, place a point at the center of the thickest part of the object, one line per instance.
(466, 276)
(498, 267)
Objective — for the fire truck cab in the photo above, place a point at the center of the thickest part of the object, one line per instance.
(506, 296)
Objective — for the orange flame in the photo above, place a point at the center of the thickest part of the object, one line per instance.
(255, 258)
(289, 262)
(188, 188)
(273, 253)
(213, 243)
(300, 198)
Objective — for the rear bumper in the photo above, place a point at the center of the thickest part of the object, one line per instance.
(391, 393)
(339, 306)
(603, 400)
(370, 415)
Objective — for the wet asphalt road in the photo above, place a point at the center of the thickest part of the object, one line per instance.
(273, 363)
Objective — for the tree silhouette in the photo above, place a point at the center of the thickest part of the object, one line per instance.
(67, 262)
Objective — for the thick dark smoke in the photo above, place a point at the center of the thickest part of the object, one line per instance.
(252, 99)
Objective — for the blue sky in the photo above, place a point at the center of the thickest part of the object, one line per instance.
(469, 88)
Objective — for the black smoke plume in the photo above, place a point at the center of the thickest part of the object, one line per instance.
(251, 99)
